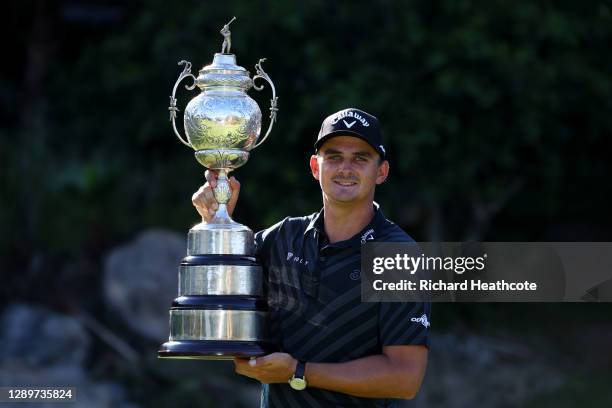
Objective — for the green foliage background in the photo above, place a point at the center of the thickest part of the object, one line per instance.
(496, 115)
(477, 102)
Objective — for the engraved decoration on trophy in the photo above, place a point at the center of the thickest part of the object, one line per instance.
(220, 311)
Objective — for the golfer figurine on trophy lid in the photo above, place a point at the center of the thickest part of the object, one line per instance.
(220, 311)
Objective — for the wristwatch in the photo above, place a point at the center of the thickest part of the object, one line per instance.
(298, 381)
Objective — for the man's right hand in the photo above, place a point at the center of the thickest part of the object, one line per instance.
(204, 200)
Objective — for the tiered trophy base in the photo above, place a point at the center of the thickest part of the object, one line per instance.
(221, 311)
(213, 350)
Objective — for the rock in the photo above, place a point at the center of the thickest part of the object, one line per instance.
(41, 348)
(38, 337)
(141, 280)
(89, 393)
(477, 371)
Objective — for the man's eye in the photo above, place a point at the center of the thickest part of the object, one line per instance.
(361, 158)
(334, 157)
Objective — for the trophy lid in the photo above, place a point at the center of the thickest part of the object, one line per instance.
(224, 72)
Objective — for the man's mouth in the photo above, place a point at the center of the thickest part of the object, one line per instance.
(345, 183)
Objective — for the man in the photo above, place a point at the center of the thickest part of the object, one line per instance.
(334, 349)
(227, 38)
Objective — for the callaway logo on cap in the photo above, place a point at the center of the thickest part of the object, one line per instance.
(352, 122)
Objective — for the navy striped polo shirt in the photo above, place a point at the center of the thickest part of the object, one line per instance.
(316, 313)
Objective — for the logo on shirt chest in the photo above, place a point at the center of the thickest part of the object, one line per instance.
(367, 236)
(291, 257)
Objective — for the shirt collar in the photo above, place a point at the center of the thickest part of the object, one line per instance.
(368, 233)
(316, 222)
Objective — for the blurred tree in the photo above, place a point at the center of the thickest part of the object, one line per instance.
(485, 108)
(495, 115)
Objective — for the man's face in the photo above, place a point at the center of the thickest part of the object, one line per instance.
(348, 170)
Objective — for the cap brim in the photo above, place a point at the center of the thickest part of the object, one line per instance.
(343, 132)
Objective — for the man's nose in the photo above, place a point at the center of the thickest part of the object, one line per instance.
(346, 166)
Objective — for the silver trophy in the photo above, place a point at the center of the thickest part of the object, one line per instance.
(221, 310)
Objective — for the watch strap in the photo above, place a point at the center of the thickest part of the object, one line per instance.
(300, 369)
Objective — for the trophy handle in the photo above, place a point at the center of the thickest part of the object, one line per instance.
(172, 108)
(273, 109)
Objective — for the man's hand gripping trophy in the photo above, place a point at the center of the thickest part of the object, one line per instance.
(204, 199)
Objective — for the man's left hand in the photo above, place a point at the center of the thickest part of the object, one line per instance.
(273, 368)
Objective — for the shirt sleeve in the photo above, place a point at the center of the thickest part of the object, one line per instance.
(259, 243)
(264, 240)
(404, 323)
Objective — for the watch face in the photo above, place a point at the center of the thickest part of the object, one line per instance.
(297, 383)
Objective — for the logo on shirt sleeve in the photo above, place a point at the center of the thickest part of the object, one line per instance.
(423, 320)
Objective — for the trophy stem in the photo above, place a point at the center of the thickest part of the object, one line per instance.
(222, 216)
(222, 191)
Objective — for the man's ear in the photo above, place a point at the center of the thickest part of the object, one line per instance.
(383, 172)
(314, 166)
